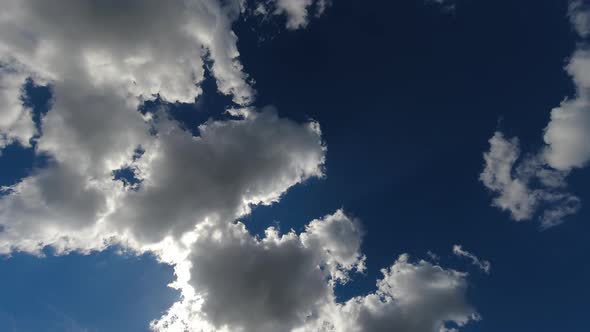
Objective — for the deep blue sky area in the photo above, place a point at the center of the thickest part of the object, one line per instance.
(407, 97)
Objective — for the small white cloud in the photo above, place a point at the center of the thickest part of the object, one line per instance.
(513, 194)
(523, 186)
(483, 265)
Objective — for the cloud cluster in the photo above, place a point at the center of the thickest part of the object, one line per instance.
(525, 185)
(285, 283)
(141, 47)
(102, 60)
(185, 180)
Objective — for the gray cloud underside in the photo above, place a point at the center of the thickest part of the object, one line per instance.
(285, 283)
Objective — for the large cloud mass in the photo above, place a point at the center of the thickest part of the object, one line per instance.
(185, 180)
(185, 189)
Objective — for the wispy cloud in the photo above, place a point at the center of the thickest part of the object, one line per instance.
(483, 265)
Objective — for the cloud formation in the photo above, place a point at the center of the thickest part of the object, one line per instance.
(525, 185)
(411, 297)
(275, 283)
(184, 180)
(102, 61)
(285, 283)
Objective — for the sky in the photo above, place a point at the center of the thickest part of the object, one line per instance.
(294, 165)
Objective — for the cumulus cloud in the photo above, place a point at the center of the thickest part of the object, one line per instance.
(275, 283)
(218, 175)
(143, 47)
(103, 60)
(568, 133)
(411, 297)
(483, 265)
(285, 283)
(526, 185)
(185, 180)
(537, 182)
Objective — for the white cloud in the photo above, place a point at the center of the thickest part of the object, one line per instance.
(186, 180)
(411, 297)
(514, 195)
(523, 186)
(568, 133)
(285, 283)
(340, 237)
(142, 47)
(483, 265)
(566, 136)
(275, 283)
(219, 175)
(102, 60)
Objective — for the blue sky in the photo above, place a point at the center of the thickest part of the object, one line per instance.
(383, 110)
